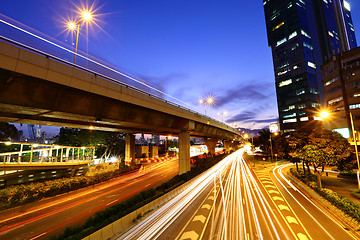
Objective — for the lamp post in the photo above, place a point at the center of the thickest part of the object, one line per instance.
(209, 100)
(324, 115)
(271, 149)
(85, 16)
(222, 115)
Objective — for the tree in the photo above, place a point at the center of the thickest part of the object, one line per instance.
(7, 131)
(106, 143)
(263, 139)
(324, 148)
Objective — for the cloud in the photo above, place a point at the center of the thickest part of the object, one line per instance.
(244, 116)
(245, 93)
(162, 82)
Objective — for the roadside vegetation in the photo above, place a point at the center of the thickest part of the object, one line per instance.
(26, 193)
(314, 147)
(347, 206)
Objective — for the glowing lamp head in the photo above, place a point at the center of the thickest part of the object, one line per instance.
(91, 128)
(210, 100)
(86, 16)
(71, 25)
(324, 114)
(7, 143)
(246, 136)
(201, 101)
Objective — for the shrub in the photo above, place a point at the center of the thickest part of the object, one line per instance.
(111, 214)
(340, 202)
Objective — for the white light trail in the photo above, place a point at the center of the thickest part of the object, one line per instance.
(90, 60)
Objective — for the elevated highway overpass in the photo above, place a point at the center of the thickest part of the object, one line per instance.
(37, 88)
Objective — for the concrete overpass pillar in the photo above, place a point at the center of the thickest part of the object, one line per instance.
(130, 148)
(227, 147)
(184, 152)
(211, 144)
(154, 151)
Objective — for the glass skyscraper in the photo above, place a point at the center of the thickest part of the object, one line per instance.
(304, 34)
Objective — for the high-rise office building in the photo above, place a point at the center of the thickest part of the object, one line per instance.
(341, 77)
(304, 34)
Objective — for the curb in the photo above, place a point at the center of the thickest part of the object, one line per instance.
(114, 229)
(347, 221)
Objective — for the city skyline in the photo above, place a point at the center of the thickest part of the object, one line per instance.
(187, 52)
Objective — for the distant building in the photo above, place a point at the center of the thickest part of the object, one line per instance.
(155, 140)
(304, 34)
(341, 77)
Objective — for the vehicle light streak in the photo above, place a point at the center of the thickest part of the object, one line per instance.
(90, 60)
(242, 211)
(128, 180)
(278, 169)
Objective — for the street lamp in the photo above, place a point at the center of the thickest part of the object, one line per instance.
(86, 16)
(324, 115)
(222, 115)
(271, 149)
(209, 100)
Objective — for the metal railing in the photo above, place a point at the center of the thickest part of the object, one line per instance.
(46, 154)
(107, 78)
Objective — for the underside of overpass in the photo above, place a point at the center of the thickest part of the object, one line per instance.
(36, 88)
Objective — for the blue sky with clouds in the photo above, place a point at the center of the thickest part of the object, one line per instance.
(188, 49)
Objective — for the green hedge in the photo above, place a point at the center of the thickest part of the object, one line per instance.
(113, 213)
(21, 194)
(340, 202)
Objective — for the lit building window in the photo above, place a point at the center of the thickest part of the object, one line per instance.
(356, 94)
(305, 33)
(291, 120)
(284, 83)
(346, 5)
(310, 64)
(300, 91)
(308, 46)
(335, 100)
(279, 25)
(303, 119)
(331, 34)
(294, 34)
(354, 106)
(318, 118)
(331, 81)
(315, 105)
(290, 115)
(281, 42)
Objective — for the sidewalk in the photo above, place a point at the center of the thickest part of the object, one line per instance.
(342, 186)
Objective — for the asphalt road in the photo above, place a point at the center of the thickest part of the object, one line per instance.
(231, 201)
(74, 208)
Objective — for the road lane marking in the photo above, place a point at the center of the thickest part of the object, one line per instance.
(291, 219)
(278, 198)
(302, 236)
(207, 206)
(283, 207)
(273, 191)
(270, 186)
(211, 198)
(200, 218)
(192, 235)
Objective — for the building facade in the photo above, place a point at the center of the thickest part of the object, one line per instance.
(303, 34)
(341, 77)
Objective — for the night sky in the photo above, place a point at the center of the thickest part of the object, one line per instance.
(187, 49)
